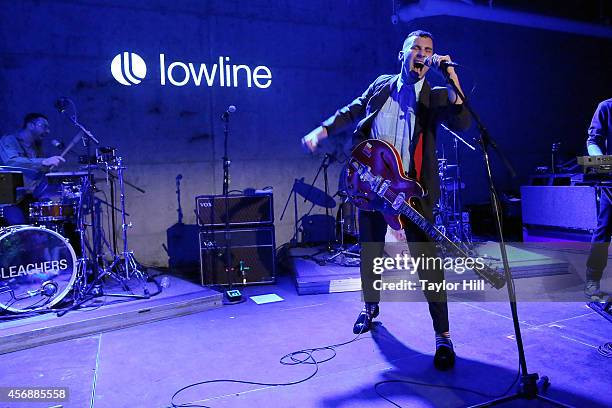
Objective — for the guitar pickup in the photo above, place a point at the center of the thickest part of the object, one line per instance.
(382, 189)
(375, 182)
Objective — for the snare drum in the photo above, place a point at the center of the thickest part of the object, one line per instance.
(38, 268)
(51, 211)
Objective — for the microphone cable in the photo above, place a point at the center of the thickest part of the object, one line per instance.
(307, 356)
(304, 356)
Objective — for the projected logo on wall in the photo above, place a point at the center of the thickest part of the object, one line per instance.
(129, 68)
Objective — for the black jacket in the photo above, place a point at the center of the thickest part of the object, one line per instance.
(433, 108)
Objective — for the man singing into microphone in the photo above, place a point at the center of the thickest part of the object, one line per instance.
(404, 110)
(24, 149)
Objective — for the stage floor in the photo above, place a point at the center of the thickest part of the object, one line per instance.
(142, 366)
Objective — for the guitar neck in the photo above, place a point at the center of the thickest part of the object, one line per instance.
(492, 277)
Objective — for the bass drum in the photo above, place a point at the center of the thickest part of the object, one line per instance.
(38, 268)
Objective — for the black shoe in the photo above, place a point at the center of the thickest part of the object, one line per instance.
(444, 358)
(363, 324)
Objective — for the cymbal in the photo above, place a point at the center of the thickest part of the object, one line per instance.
(313, 194)
(67, 174)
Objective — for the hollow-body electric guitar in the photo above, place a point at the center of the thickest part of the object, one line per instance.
(376, 182)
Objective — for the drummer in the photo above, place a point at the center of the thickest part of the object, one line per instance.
(23, 149)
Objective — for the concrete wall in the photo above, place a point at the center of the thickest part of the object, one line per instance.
(321, 54)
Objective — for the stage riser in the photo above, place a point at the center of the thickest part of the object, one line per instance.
(136, 313)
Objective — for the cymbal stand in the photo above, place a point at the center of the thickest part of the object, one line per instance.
(457, 200)
(341, 250)
(82, 262)
(294, 240)
(327, 160)
(126, 259)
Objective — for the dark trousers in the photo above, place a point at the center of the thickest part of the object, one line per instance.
(600, 241)
(372, 231)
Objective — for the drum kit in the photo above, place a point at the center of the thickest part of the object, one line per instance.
(336, 232)
(450, 218)
(61, 258)
(449, 215)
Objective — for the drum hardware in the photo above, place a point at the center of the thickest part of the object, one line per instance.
(126, 260)
(70, 191)
(106, 155)
(310, 193)
(347, 204)
(91, 259)
(111, 177)
(449, 213)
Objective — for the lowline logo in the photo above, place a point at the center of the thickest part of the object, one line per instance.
(128, 68)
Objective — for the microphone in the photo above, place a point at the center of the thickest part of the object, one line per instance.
(57, 143)
(61, 104)
(443, 64)
(230, 109)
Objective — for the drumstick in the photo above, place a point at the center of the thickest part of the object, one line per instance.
(73, 142)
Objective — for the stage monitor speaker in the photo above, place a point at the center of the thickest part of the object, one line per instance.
(252, 255)
(243, 210)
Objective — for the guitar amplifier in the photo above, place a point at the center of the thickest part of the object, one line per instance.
(252, 255)
(243, 210)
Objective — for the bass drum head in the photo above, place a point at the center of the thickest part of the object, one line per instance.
(37, 268)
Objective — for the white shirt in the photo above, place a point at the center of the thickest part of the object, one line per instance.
(396, 120)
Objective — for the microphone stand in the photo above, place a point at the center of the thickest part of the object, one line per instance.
(530, 385)
(86, 137)
(178, 198)
(232, 296)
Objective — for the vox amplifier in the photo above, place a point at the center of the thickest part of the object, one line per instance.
(252, 254)
(242, 210)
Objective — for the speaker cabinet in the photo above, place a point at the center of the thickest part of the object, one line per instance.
(252, 254)
(571, 207)
(242, 210)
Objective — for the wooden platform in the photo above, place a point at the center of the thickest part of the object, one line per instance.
(180, 299)
(325, 277)
(311, 277)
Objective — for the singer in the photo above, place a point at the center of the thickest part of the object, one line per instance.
(405, 111)
(23, 149)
